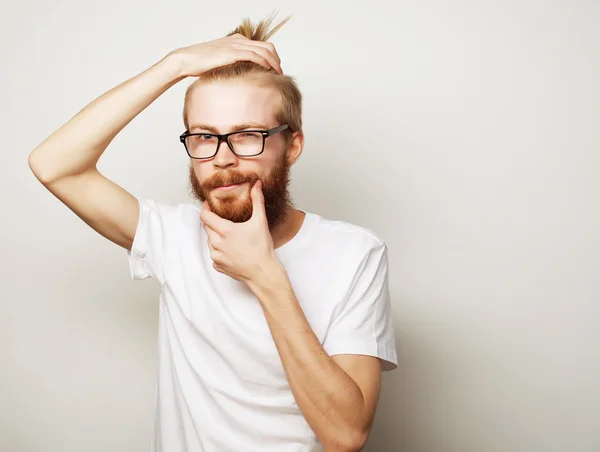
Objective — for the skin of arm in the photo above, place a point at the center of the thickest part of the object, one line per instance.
(66, 162)
(337, 395)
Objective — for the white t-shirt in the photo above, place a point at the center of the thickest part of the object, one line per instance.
(221, 385)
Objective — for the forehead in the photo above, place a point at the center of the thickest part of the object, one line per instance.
(224, 104)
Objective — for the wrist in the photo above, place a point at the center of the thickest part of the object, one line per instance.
(267, 278)
(173, 62)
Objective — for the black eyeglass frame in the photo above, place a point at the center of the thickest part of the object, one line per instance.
(225, 137)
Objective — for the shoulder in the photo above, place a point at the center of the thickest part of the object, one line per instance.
(345, 238)
(168, 215)
(172, 210)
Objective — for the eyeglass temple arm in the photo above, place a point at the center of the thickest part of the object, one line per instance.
(277, 129)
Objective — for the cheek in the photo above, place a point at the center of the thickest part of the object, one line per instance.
(200, 171)
(260, 167)
(268, 163)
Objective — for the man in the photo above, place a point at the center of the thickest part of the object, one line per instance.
(275, 323)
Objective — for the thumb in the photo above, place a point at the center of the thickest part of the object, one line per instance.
(258, 200)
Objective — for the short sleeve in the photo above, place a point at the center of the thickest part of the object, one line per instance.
(146, 258)
(364, 325)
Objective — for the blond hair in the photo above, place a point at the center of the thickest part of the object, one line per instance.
(290, 111)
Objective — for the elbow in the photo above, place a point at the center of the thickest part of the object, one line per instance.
(47, 171)
(39, 170)
(348, 441)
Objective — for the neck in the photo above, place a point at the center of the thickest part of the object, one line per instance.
(286, 230)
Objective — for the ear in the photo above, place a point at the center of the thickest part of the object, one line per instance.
(295, 148)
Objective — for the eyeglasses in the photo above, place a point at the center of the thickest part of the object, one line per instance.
(245, 143)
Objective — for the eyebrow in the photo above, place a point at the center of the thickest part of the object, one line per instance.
(237, 128)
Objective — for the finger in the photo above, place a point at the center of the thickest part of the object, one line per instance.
(215, 254)
(215, 222)
(251, 55)
(209, 238)
(211, 250)
(269, 54)
(269, 46)
(258, 202)
(214, 239)
(267, 51)
(270, 57)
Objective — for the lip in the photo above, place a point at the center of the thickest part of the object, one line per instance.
(227, 187)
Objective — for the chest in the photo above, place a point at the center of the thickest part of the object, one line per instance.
(230, 330)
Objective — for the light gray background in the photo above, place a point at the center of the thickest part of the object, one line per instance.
(465, 133)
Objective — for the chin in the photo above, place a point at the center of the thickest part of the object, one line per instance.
(234, 208)
(229, 199)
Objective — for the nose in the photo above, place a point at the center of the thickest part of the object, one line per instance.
(224, 157)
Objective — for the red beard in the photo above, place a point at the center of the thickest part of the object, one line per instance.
(238, 209)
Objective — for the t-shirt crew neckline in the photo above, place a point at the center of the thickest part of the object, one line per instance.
(301, 236)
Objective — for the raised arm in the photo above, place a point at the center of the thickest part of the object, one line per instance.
(66, 162)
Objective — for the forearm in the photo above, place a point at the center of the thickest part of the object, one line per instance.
(78, 145)
(331, 402)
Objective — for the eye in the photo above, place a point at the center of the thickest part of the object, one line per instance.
(202, 137)
(254, 135)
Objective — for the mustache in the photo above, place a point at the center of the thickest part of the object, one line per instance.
(231, 177)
